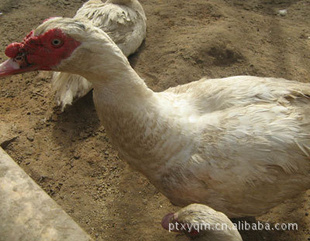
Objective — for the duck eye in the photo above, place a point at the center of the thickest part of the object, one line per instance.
(56, 42)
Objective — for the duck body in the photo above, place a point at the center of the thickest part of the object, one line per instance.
(123, 20)
(239, 144)
(240, 156)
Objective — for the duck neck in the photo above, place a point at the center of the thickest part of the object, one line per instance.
(126, 107)
(121, 106)
(117, 87)
(122, 87)
(108, 69)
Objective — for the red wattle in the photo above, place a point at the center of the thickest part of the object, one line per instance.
(12, 50)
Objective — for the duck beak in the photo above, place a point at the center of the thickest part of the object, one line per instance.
(17, 62)
(9, 67)
(15, 66)
(168, 222)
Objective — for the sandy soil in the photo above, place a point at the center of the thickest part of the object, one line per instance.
(69, 155)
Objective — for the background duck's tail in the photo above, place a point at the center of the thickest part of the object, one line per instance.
(69, 87)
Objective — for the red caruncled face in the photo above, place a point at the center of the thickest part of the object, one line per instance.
(42, 52)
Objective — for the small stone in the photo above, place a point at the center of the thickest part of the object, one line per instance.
(282, 12)
(76, 156)
(30, 137)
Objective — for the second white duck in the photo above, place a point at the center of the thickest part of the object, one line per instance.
(201, 223)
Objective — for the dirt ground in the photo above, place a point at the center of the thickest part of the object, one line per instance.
(69, 155)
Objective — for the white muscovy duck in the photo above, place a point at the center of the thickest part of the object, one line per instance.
(201, 223)
(123, 20)
(240, 145)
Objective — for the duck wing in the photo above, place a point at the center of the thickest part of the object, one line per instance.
(251, 139)
(208, 95)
